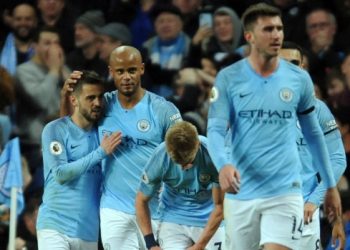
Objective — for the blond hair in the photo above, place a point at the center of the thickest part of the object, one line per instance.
(182, 142)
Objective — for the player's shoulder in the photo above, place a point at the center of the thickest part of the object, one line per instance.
(57, 126)
(160, 152)
(323, 110)
(321, 105)
(160, 104)
(58, 123)
(292, 68)
(233, 69)
(203, 142)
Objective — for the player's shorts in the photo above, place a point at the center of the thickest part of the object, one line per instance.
(53, 240)
(311, 233)
(119, 230)
(253, 223)
(179, 237)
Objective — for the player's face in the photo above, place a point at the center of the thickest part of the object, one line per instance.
(266, 36)
(291, 55)
(90, 102)
(126, 70)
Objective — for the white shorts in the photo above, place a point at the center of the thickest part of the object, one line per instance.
(311, 233)
(179, 237)
(51, 239)
(119, 230)
(253, 223)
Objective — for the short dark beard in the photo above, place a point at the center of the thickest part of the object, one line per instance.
(26, 38)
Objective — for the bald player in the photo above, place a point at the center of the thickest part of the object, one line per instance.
(143, 119)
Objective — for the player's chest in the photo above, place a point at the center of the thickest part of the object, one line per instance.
(137, 126)
(80, 145)
(265, 94)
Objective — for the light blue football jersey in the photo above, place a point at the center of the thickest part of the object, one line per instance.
(262, 113)
(72, 180)
(313, 191)
(186, 198)
(143, 128)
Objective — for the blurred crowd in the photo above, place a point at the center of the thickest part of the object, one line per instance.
(184, 44)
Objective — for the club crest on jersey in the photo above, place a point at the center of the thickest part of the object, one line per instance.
(286, 94)
(143, 125)
(204, 178)
(55, 148)
(214, 94)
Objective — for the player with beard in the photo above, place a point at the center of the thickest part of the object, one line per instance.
(68, 217)
(17, 47)
(143, 118)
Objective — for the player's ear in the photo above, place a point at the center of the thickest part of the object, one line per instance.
(248, 36)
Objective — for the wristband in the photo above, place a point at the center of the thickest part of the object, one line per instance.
(150, 241)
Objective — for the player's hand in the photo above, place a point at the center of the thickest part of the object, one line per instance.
(69, 84)
(338, 234)
(155, 248)
(332, 204)
(309, 209)
(229, 179)
(110, 142)
(195, 247)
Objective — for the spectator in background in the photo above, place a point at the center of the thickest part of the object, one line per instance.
(191, 96)
(321, 28)
(190, 10)
(55, 13)
(227, 34)
(141, 26)
(18, 46)
(85, 56)
(38, 92)
(339, 87)
(111, 36)
(166, 50)
(219, 42)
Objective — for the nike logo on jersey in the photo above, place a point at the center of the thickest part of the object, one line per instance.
(243, 95)
(74, 146)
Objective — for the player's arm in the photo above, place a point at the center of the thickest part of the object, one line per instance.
(69, 171)
(315, 139)
(56, 156)
(338, 161)
(144, 220)
(150, 183)
(338, 234)
(67, 89)
(218, 120)
(214, 221)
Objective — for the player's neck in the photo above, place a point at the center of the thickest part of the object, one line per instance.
(128, 102)
(263, 65)
(81, 122)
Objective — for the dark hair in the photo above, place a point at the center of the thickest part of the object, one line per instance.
(294, 46)
(88, 77)
(255, 11)
(45, 29)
